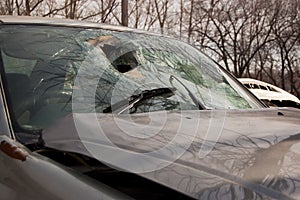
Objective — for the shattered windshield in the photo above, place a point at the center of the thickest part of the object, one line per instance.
(53, 71)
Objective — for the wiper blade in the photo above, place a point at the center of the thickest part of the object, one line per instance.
(126, 104)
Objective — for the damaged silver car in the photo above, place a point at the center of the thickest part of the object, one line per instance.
(93, 111)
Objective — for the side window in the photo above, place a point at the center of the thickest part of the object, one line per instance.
(17, 73)
(247, 85)
(40, 64)
(272, 89)
(38, 90)
(263, 87)
(17, 65)
(255, 86)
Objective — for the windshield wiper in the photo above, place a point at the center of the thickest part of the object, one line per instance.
(133, 100)
(192, 96)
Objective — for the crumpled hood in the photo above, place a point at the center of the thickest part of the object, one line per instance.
(213, 154)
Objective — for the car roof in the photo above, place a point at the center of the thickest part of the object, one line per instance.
(280, 94)
(8, 19)
(254, 81)
(250, 80)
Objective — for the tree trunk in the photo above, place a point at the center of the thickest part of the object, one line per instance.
(124, 12)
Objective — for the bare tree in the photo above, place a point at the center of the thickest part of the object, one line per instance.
(72, 9)
(142, 14)
(235, 31)
(136, 12)
(7, 7)
(190, 25)
(286, 34)
(26, 7)
(124, 12)
(161, 8)
(101, 11)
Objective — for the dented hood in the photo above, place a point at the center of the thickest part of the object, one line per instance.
(213, 154)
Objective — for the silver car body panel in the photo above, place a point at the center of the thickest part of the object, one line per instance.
(49, 179)
(246, 154)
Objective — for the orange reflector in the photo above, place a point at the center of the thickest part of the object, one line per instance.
(13, 151)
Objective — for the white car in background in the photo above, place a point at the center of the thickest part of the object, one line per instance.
(270, 94)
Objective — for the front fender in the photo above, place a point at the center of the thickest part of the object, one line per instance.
(38, 177)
